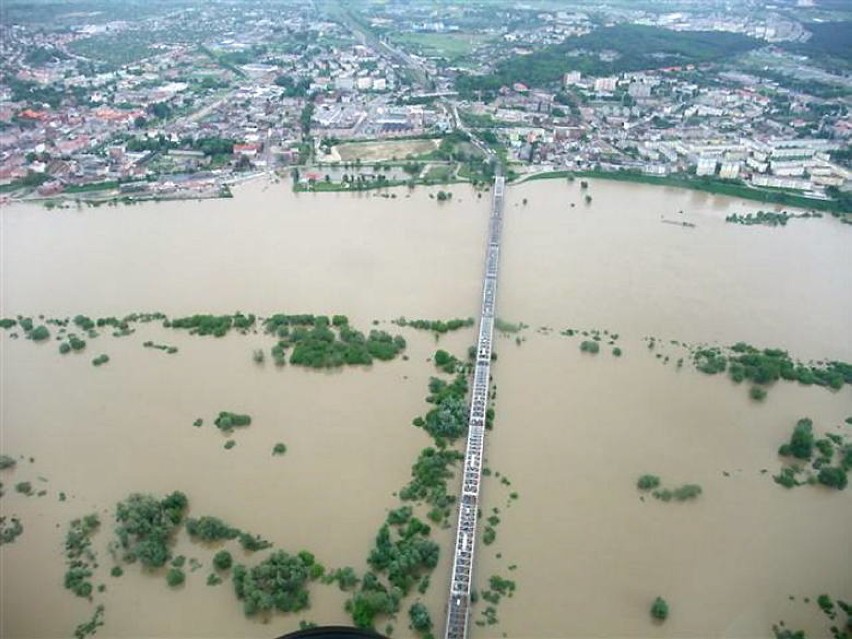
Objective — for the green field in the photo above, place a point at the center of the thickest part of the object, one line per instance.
(439, 173)
(448, 45)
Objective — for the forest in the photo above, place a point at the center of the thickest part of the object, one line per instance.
(638, 47)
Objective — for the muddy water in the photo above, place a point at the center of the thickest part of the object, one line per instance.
(616, 262)
(266, 250)
(572, 432)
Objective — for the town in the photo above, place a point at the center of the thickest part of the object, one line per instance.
(185, 102)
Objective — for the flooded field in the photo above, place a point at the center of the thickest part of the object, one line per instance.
(573, 431)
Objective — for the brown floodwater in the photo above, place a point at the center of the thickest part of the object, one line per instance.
(572, 433)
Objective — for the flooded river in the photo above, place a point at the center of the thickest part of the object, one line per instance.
(573, 432)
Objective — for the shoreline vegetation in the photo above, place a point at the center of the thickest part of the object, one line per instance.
(364, 177)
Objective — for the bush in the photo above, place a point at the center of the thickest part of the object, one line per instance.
(227, 421)
(7, 462)
(489, 535)
(11, 531)
(39, 334)
(757, 393)
(279, 449)
(787, 477)
(832, 477)
(222, 560)
(660, 609)
(372, 600)
(681, 493)
(589, 346)
(346, 578)
(687, 491)
(616, 351)
(421, 621)
(802, 440)
(230, 444)
(648, 482)
(175, 577)
(208, 528)
(253, 543)
(826, 604)
(117, 571)
(100, 360)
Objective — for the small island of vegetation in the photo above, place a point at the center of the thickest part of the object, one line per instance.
(320, 342)
(768, 218)
(660, 609)
(829, 466)
(437, 326)
(685, 492)
(228, 421)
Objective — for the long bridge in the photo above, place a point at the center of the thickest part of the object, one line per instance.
(458, 607)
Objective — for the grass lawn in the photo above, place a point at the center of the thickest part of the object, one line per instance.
(448, 45)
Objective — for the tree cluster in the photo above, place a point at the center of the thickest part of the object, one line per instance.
(802, 446)
(447, 420)
(79, 555)
(429, 476)
(403, 554)
(769, 365)
(277, 583)
(438, 326)
(318, 342)
(216, 325)
(146, 527)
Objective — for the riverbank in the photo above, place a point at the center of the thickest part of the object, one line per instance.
(716, 187)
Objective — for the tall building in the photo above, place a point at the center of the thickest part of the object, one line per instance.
(605, 85)
(706, 166)
(572, 77)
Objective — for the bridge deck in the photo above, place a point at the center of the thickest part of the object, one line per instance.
(458, 606)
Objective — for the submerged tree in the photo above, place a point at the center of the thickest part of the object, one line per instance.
(660, 609)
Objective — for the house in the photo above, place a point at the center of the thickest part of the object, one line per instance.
(246, 150)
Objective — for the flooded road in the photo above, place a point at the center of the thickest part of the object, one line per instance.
(573, 432)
